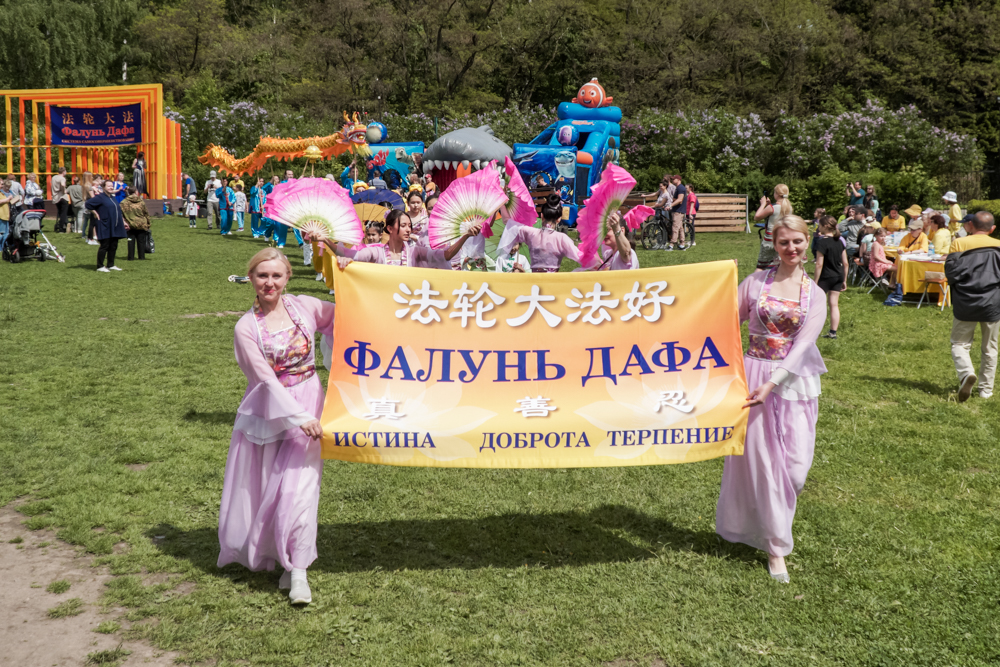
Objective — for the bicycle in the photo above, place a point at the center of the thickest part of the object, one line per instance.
(655, 232)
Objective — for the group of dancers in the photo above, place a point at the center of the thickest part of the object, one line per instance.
(270, 497)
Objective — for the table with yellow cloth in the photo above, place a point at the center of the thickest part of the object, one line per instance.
(911, 272)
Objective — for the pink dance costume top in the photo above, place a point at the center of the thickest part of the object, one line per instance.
(548, 247)
(878, 263)
(412, 255)
(270, 495)
(759, 489)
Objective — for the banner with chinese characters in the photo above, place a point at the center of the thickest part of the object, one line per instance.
(100, 126)
(493, 370)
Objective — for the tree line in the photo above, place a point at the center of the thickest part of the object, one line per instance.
(317, 57)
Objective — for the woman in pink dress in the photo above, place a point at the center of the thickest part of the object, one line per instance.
(616, 251)
(786, 312)
(548, 246)
(270, 495)
(418, 217)
(400, 250)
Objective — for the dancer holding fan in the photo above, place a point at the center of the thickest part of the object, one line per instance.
(469, 202)
(270, 495)
(399, 250)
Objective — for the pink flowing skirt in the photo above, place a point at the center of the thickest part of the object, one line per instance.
(759, 489)
(270, 496)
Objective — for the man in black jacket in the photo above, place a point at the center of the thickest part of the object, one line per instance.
(974, 277)
(110, 226)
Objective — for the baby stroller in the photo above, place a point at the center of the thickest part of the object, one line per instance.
(23, 240)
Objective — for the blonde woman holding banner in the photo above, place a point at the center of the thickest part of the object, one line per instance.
(270, 496)
(786, 312)
(773, 211)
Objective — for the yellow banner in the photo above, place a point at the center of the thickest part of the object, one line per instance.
(494, 370)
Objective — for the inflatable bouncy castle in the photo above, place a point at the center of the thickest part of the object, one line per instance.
(570, 154)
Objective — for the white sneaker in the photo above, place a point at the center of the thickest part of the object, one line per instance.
(319, 277)
(93, 242)
(229, 233)
(300, 593)
(104, 269)
(285, 582)
(331, 292)
(116, 268)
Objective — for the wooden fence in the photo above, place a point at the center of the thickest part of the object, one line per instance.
(717, 212)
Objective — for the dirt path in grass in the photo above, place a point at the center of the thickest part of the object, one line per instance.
(29, 637)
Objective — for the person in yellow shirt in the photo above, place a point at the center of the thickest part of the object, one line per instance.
(954, 210)
(916, 240)
(979, 227)
(939, 235)
(894, 222)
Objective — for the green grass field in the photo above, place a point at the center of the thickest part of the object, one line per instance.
(117, 398)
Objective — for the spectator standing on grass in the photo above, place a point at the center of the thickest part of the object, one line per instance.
(785, 312)
(240, 208)
(191, 211)
(973, 272)
(5, 199)
(870, 201)
(227, 200)
(212, 186)
(677, 211)
(954, 210)
(772, 212)
(258, 197)
(855, 194)
(693, 206)
(76, 201)
(60, 198)
(831, 269)
(110, 226)
(17, 202)
(188, 187)
(137, 222)
(139, 174)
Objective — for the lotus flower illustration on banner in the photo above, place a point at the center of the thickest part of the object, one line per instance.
(465, 203)
(666, 402)
(315, 206)
(415, 407)
(606, 198)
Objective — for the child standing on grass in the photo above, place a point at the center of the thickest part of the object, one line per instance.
(831, 268)
(241, 206)
(192, 212)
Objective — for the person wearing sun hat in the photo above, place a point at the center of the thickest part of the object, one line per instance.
(916, 240)
(914, 211)
(954, 210)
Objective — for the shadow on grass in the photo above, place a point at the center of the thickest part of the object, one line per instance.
(608, 534)
(221, 417)
(944, 389)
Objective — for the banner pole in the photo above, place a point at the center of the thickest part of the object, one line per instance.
(34, 137)
(8, 136)
(48, 152)
(22, 151)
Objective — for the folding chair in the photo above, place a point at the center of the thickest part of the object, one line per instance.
(939, 279)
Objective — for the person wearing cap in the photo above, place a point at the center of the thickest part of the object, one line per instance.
(973, 272)
(893, 222)
(954, 210)
(916, 240)
(212, 199)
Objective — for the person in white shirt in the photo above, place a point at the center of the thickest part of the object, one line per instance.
(513, 262)
(240, 208)
(191, 209)
(212, 199)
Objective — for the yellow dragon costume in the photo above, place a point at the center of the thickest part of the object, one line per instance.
(351, 138)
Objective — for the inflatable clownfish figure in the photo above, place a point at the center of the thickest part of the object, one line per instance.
(592, 95)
